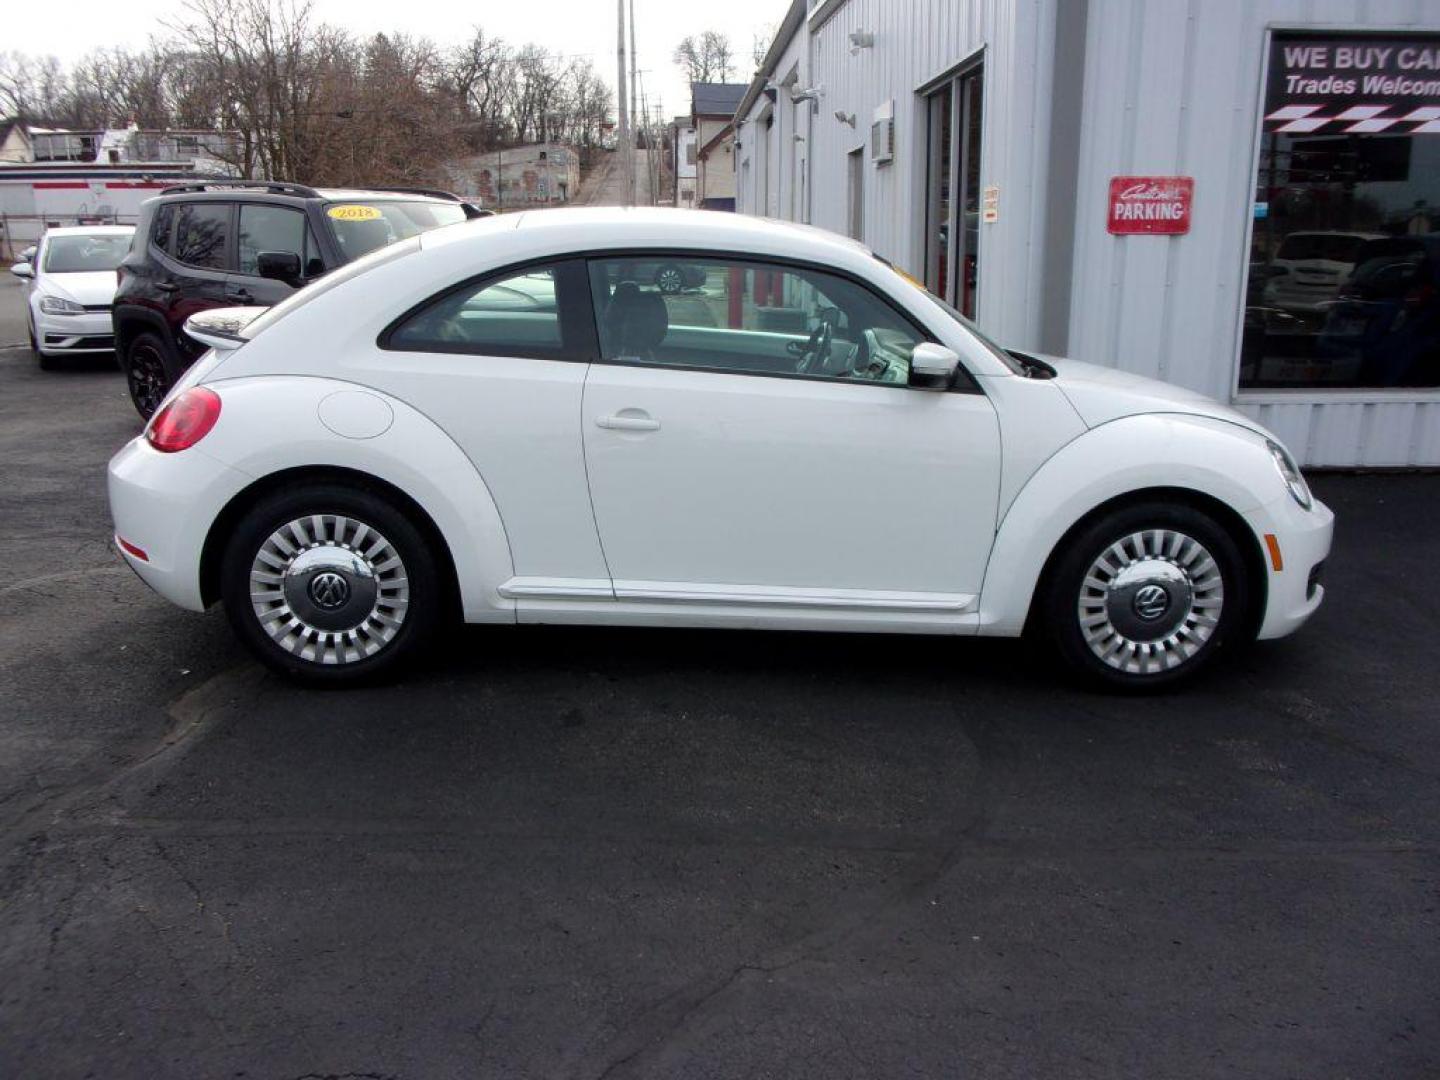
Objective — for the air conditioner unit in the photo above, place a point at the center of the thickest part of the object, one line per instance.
(882, 140)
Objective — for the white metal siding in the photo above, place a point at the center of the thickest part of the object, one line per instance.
(914, 43)
(1173, 87)
(1170, 87)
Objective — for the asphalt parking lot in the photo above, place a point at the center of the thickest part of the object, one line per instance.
(601, 853)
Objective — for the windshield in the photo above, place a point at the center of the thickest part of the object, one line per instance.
(85, 254)
(361, 226)
(1000, 354)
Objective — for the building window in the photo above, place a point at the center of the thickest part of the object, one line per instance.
(1343, 289)
(855, 193)
(952, 198)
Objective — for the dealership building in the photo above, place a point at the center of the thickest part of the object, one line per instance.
(1237, 196)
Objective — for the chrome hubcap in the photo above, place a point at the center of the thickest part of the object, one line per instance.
(1150, 601)
(329, 589)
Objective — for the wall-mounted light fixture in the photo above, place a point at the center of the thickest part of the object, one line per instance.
(814, 93)
(861, 39)
(798, 137)
(844, 117)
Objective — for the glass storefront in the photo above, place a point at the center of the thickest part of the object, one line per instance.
(1343, 290)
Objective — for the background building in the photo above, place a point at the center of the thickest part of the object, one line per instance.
(536, 174)
(712, 115)
(55, 176)
(1239, 196)
(683, 150)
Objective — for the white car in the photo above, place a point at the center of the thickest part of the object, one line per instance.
(427, 431)
(72, 289)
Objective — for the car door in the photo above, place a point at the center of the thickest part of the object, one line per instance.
(193, 274)
(499, 364)
(270, 227)
(755, 441)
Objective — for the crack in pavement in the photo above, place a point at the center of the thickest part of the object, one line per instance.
(62, 576)
(192, 713)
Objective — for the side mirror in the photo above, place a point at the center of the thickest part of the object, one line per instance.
(23, 269)
(279, 265)
(933, 366)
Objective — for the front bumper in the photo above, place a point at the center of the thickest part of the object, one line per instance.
(164, 505)
(1303, 537)
(92, 332)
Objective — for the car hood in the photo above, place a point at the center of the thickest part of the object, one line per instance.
(1101, 394)
(93, 287)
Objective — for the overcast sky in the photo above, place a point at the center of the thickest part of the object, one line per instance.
(569, 27)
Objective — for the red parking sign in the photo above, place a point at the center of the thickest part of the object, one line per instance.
(1157, 205)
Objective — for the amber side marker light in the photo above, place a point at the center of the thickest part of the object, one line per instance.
(130, 549)
(1273, 546)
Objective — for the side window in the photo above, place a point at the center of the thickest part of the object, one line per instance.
(163, 226)
(272, 228)
(201, 234)
(749, 317)
(514, 315)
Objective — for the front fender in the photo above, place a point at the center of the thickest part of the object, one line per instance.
(1155, 450)
(412, 453)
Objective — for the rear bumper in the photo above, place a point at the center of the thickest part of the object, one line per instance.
(164, 505)
(1294, 591)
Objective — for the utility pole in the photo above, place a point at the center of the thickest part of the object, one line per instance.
(635, 117)
(626, 144)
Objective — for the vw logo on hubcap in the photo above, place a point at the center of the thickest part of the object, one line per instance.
(1151, 602)
(330, 590)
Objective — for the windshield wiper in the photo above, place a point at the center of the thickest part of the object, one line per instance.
(1034, 368)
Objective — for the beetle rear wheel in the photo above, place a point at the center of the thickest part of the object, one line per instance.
(330, 584)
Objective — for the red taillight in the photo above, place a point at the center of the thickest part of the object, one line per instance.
(185, 421)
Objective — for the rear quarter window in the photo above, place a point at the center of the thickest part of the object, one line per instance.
(163, 226)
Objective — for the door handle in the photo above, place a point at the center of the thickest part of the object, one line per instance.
(166, 286)
(243, 295)
(628, 420)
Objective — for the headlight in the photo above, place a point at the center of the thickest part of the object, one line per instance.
(53, 305)
(1290, 473)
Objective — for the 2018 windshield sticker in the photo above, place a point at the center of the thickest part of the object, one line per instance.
(353, 213)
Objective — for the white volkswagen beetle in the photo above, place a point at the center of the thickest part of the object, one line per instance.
(510, 419)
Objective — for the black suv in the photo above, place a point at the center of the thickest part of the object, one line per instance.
(219, 244)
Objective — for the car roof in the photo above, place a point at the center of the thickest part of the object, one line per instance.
(581, 228)
(337, 194)
(89, 230)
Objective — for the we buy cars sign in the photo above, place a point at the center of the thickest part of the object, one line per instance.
(1155, 205)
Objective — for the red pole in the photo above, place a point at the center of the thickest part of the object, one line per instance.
(737, 297)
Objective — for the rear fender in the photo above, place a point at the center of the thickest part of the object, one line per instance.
(384, 438)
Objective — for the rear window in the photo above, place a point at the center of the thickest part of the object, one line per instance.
(202, 234)
(360, 226)
(164, 224)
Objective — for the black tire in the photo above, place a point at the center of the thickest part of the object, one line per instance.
(417, 618)
(670, 279)
(47, 363)
(1175, 646)
(151, 368)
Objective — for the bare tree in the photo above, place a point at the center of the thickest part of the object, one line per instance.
(706, 58)
(311, 102)
(760, 42)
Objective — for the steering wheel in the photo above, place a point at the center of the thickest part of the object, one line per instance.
(810, 352)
